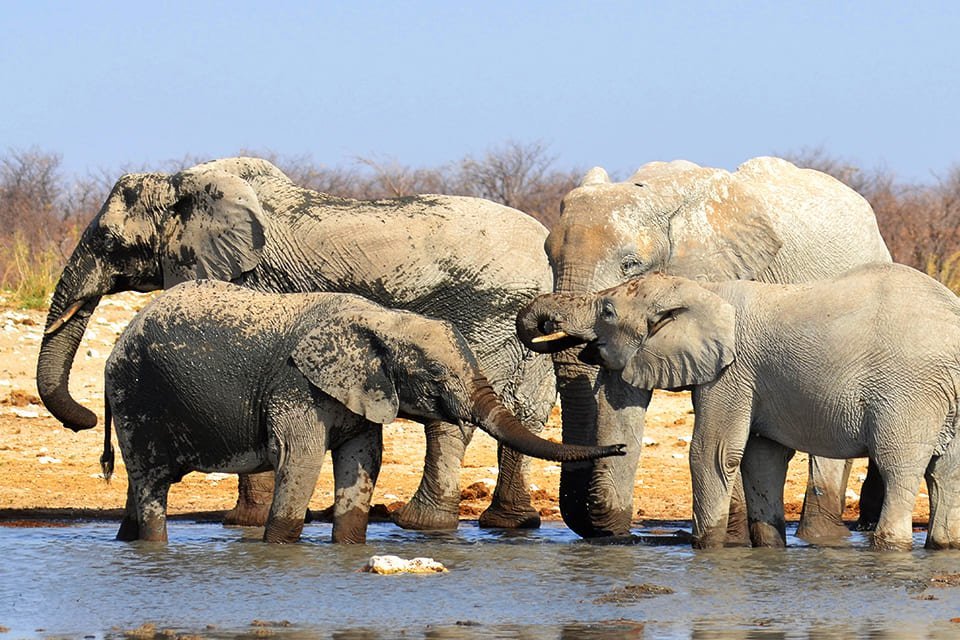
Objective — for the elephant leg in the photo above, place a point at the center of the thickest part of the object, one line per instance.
(738, 527)
(823, 503)
(151, 499)
(356, 465)
(129, 526)
(295, 482)
(254, 494)
(764, 469)
(716, 449)
(436, 503)
(532, 402)
(943, 485)
(871, 499)
(510, 507)
(297, 455)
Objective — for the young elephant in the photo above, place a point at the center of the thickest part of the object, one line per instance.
(865, 364)
(214, 377)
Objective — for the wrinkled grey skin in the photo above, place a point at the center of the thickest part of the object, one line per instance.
(864, 364)
(243, 381)
(466, 260)
(769, 221)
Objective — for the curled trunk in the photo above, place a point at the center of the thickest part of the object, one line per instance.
(53, 368)
(494, 418)
(596, 496)
(78, 290)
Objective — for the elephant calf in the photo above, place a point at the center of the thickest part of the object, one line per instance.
(865, 364)
(214, 377)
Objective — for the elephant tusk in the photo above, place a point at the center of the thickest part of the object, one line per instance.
(64, 317)
(556, 335)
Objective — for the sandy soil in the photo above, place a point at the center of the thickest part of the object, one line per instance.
(47, 470)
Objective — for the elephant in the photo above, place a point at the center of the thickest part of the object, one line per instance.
(768, 221)
(844, 367)
(466, 260)
(242, 381)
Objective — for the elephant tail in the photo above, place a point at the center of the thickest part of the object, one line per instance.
(106, 460)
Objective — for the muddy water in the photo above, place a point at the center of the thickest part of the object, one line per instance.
(222, 582)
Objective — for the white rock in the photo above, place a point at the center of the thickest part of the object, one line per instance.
(390, 496)
(5, 383)
(25, 413)
(649, 442)
(48, 460)
(217, 477)
(93, 353)
(385, 565)
(852, 495)
(533, 487)
(684, 439)
(678, 456)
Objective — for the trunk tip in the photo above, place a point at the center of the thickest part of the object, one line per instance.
(615, 450)
(84, 423)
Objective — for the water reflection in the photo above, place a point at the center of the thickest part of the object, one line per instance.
(221, 582)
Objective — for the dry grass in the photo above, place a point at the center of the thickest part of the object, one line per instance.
(29, 273)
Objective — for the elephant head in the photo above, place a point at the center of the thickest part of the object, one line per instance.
(154, 230)
(657, 331)
(382, 364)
(676, 218)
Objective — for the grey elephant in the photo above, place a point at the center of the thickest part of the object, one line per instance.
(769, 221)
(216, 377)
(864, 364)
(466, 260)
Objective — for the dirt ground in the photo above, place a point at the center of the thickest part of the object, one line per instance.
(49, 471)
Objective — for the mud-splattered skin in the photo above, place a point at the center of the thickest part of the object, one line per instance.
(243, 381)
(465, 260)
(864, 364)
(768, 221)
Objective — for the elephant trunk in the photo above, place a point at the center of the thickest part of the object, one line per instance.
(72, 305)
(544, 328)
(596, 497)
(494, 418)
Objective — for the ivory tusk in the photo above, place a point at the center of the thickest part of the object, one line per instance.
(64, 317)
(556, 335)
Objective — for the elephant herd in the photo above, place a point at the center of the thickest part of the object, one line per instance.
(758, 289)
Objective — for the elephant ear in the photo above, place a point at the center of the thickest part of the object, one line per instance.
(690, 340)
(349, 363)
(721, 231)
(213, 230)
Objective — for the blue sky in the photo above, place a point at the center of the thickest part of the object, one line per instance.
(112, 85)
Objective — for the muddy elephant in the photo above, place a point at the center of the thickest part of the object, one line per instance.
(466, 260)
(243, 381)
(768, 221)
(844, 367)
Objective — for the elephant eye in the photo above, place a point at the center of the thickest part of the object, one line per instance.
(608, 311)
(632, 266)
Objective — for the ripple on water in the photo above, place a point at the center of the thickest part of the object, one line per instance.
(78, 580)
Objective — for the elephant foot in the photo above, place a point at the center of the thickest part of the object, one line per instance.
(814, 529)
(129, 530)
(500, 517)
(420, 517)
(888, 542)
(247, 515)
(283, 531)
(255, 495)
(764, 534)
